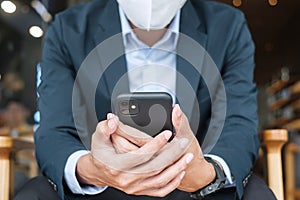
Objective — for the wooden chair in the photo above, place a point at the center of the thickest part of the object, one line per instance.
(6, 144)
(272, 141)
(8, 147)
(291, 191)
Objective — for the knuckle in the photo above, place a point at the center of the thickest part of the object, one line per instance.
(176, 184)
(113, 172)
(140, 141)
(129, 191)
(161, 193)
(161, 182)
(124, 183)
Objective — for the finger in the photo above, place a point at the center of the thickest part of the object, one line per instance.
(165, 182)
(109, 115)
(101, 145)
(166, 189)
(102, 131)
(166, 157)
(156, 143)
(106, 127)
(176, 116)
(181, 123)
(127, 161)
(171, 172)
(144, 153)
(101, 139)
(112, 122)
(122, 145)
(134, 135)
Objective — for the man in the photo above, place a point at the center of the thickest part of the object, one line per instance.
(124, 163)
(15, 115)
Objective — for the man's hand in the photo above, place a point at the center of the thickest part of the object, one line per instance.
(127, 138)
(145, 170)
(199, 173)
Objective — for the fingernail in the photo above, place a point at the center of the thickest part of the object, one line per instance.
(178, 111)
(110, 124)
(115, 118)
(110, 116)
(189, 158)
(182, 175)
(168, 135)
(184, 142)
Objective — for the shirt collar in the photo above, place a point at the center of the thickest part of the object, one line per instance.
(126, 28)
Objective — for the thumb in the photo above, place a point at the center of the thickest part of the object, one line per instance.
(176, 117)
(181, 123)
(107, 127)
(112, 123)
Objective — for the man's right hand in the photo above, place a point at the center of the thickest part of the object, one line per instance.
(154, 169)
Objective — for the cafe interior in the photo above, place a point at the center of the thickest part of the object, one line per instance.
(275, 29)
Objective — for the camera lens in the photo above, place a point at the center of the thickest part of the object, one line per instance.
(124, 103)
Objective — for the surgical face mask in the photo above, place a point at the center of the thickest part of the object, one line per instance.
(151, 14)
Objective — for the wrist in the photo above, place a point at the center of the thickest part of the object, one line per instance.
(199, 174)
(215, 185)
(210, 176)
(86, 171)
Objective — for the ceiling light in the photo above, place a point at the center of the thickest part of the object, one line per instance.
(41, 10)
(237, 3)
(273, 2)
(36, 31)
(8, 6)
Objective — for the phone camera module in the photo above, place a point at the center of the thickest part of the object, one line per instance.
(129, 107)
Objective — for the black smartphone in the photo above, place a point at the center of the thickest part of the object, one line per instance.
(150, 112)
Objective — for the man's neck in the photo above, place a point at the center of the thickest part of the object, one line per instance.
(149, 37)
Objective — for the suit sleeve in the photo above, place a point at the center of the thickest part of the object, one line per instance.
(56, 138)
(238, 144)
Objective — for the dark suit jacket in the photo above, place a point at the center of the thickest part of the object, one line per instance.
(220, 29)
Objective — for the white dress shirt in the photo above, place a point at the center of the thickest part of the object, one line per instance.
(149, 69)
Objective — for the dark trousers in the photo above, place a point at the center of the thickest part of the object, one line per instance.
(40, 189)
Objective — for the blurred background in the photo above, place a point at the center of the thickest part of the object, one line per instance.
(274, 24)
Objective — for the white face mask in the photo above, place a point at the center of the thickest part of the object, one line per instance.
(151, 14)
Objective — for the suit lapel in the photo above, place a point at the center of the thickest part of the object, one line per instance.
(111, 51)
(191, 24)
(192, 33)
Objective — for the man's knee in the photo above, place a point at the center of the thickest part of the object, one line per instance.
(257, 189)
(37, 188)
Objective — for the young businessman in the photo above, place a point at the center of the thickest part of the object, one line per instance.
(121, 162)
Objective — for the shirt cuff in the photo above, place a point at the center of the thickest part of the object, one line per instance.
(71, 179)
(229, 182)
